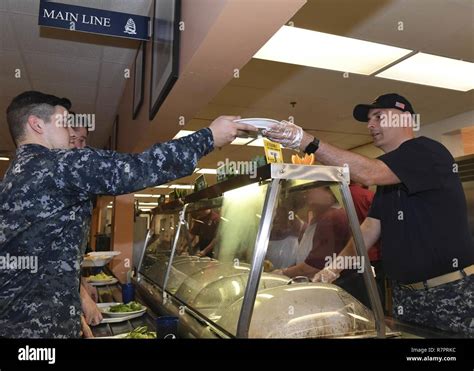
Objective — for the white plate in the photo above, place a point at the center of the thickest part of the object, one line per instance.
(104, 309)
(95, 254)
(99, 258)
(121, 319)
(120, 336)
(101, 306)
(260, 123)
(87, 263)
(104, 283)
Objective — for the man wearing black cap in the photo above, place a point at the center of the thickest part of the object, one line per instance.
(419, 212)
(45, 208)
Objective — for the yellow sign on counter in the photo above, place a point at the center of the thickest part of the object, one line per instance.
(273, 152)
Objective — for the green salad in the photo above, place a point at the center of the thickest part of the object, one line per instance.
(133, 306)
(141, 332)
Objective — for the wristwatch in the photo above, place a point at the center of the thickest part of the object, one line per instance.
(312, 147)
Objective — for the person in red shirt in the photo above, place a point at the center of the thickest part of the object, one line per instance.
(331, 235)
(330, 229)
(362, 198)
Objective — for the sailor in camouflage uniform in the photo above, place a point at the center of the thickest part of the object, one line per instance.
(45, 208)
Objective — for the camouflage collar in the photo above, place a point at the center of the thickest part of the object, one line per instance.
(31, 148)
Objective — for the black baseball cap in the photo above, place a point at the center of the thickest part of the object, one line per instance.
(391, 100)
(36, 97)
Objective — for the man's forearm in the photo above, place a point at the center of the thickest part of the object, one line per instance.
(209, 247)
(83, 292)
(301, 269)
(361, 167)
(364, 170)
(348, 250)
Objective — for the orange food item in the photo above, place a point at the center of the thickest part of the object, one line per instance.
(306, 160)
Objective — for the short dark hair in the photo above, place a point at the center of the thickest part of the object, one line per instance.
(31, 103)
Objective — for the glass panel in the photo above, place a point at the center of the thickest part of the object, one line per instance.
(159, 247)
(210, 270)
(211, 283)
(309, 230)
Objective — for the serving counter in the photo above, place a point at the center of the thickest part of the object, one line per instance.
(236, 290)
(286, 216)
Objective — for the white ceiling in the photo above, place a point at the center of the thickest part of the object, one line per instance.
(325, 99)
(88, 69)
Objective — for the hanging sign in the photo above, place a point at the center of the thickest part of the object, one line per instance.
(99, 21)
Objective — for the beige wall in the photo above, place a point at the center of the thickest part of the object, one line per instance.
(368, 150)
(456, 133)
(448, 131)
(467, 135)
(122, 236)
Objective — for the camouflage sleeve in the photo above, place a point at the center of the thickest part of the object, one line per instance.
(92, 171)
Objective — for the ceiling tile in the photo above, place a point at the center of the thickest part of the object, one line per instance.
(23, 6)
(139, 7)
(11, 86)
(120, 55)
(11, 65)
(33, 38)
(66, 69)
(112, 75)
(420, 31)
(80, 93)
(7, 38)
(108, 96)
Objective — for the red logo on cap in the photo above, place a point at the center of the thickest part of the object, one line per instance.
(399, 105)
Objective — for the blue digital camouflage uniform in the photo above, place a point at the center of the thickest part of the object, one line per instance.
(448, 307)
(45, 209)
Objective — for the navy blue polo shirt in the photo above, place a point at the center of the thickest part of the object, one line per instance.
(424, 225)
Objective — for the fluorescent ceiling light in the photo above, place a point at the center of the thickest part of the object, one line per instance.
(146, 195)
(241, 141)
(148, 204)
(182, 133)
(207, 171)
(181, 186)
(257, 143)
(432, 70)
(162, 186)
(4, 159)
(321, 50)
